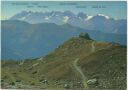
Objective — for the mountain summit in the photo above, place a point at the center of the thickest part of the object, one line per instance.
(85, 35)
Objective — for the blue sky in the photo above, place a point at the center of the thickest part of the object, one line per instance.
(115, 9)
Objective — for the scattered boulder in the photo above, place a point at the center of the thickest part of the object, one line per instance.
(2, 80)
(14, 73)
(18, 80)
(34, 72)
(45, 81)
(12, 83)
(79, 82)
(92, 82)
(56, 81)
(66, 86)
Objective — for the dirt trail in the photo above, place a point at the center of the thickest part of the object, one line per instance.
(80, 71)
(93, 47)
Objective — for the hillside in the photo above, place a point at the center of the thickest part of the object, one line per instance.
(21, 40)
(78, 63)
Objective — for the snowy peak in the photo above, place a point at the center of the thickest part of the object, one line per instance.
(65, 15)
(89, 17)
(107, 17)
(66, 18)
(98, 16)
(99, 22)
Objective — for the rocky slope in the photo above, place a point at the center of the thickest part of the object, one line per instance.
(79, 63)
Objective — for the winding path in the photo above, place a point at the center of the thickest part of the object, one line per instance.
(80, 71)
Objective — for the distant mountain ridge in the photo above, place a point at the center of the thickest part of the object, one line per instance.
(98, 22)
(21, 40)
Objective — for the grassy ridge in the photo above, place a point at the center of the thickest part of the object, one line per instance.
(108, 66)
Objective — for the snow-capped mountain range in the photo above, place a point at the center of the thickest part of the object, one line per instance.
(99, 22)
